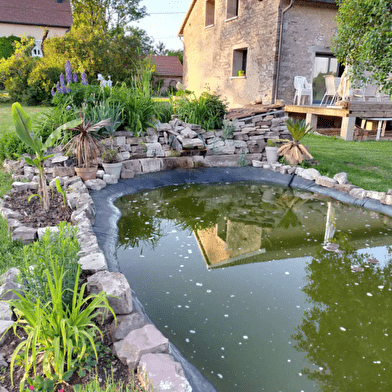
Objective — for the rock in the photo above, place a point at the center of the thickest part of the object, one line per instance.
(6, 292)
(221, 150)
(42, 230)
(3, 363)
(188, 133)
(10, 276)
(95, 185)
(134, 165)
(24, 234)
(310, 174)
(375, 195)
(116, 286)
(100, 174)
(387, 199)
(267, 166)
(170, 163)
(59, 158)
(344, 187)
(325, 181)
(127, 173)
(151, 165)
(9, 214)
(221, 160)
(110, 179)
(151, 139)
(5, 311)
(94, 262)
(29, 172)
(341, 178)
(146, 340)
(76, 185)
(119, 140)
(299, 171)
(24, 186)
(86, 211)
(4, 326)
(20, 178)
(358, 193)
(126, 324)
(123, 156)
(257, 163)
(154, 150)
(191, 143)
(160, 373)
(13, 224)
(63, 172)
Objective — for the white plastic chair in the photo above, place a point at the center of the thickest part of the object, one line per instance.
(331, 89)
(302, 89)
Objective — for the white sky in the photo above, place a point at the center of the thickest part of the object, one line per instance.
(164, 26)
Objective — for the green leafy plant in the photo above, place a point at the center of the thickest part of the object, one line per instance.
(272, 143)
(41, 384)
(293, 151)
(110, 155)
(35, 195)
(227, 130)
(23, 128)
(62, 193)
(57, 335)
(242, 159)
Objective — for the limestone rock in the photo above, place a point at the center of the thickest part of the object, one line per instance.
(310, 174)
(5, 311)
(358, 193)
(4, 326)
(13, 224)
(134, 165)
(341, 178)
(161, 373)
(110, 179)
(63, 171)
(188, 133)
(96, 184)
(78, 215)
(151, 165)
(152, 138)
(375, 195)
(116, 286)
(257, 163)
(76, 185)
(100, 174)
(10, 276)
(42, 230)
(6, 292)
(170, 163)
(387, 199)
(325, 181)
(24, 186)
(9, 214)
(344, 187)
(24, 234)
(126, 324)
(123, 156)
(127, 173)
(154, 150)
(94, 262)
(146, 340)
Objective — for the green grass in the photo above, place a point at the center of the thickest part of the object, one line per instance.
(367, 163)
(6, 123)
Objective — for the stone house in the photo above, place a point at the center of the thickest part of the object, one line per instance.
(168, 70)
(270, 41)
(35, 18)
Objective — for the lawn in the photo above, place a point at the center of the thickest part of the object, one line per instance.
(6, 123)
(367, 163)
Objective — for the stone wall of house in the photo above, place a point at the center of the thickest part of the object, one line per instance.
(307, 29)
(208, 58)
(7, 29)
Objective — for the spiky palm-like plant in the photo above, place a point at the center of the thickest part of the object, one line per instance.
(293, 150)
(85, 142)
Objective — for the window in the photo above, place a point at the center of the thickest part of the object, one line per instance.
(239, 62)
(37, 50)
(232, 8)
(210, 12)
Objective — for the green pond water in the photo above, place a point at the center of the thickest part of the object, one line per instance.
(264, 288)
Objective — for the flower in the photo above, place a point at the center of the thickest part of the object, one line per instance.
(75, 78)
(31, 387)
(53, 92)
(84, 79)
(68, 72)
(62, 83)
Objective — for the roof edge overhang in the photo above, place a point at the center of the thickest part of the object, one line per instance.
(35, 24)
(181, 32)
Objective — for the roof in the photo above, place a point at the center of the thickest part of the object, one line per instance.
(36, 12)
(181, 32)
(167, 65)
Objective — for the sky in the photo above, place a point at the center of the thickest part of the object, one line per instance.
(164, 21)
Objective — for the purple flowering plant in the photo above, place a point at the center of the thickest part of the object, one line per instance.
(70, 78)
(68, 72)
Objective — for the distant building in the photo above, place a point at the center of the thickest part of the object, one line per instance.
(32, 17)
(169, 70)
(232, 47)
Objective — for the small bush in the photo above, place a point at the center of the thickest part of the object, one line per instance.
(208, 110)
(7, 46)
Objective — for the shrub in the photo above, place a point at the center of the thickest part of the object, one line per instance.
(207, 110)
(7, 46)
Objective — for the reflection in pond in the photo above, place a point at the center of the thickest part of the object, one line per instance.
(347, 330)
(291, 282)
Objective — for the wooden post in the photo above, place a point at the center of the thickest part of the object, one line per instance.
(347, 130)
(311, 119)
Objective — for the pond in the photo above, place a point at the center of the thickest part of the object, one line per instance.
(263, 288)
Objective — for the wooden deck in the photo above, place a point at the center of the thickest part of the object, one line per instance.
(349, 112)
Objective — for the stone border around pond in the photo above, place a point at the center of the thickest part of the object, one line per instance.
(137, 342)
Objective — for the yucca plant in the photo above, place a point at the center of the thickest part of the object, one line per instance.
(85, 142)
(57, 335)
(294, 151)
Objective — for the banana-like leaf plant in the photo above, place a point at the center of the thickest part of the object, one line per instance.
(23, 128)
(293, 150)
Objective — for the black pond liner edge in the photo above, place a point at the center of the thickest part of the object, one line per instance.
(107, 216)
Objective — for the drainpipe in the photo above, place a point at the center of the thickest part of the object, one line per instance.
(280, 48)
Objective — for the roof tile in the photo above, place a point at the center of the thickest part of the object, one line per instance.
(167, 65)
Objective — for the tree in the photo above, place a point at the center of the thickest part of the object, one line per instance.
(176, 53)
(364, 40)
(160, 49)
(7, 46)
(106, 14)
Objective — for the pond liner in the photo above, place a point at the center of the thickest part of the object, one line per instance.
(107, 216)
